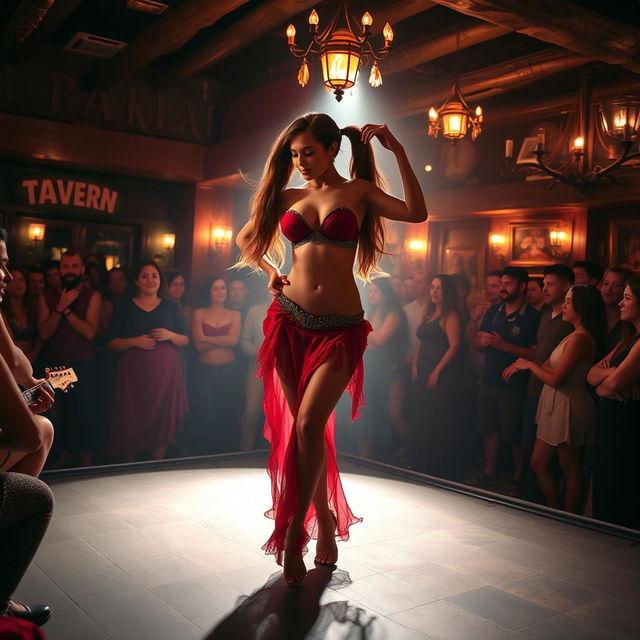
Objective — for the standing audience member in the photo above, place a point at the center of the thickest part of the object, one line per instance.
(52, 274)
(566, 415)
(396, 285)
(508, 331)
(616, 473)
(470, 379)
(414, 311)
(436, 383)
(36, 282)
(611, 290)
(238, 296)
(150, 397)
(408, 290)
(176, 289)
(26, 503)
(68, 321)
(251, 340)
(558, 279)
(215, 330)
(587, 272)
(384, 363)
(535, 297)
(20, 311)
(117, 289)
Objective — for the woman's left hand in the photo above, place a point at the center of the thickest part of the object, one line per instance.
(521, 364)
(380, 131)
(161, 334)
(432, 380)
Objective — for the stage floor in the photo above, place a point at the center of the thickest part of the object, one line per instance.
(173, 554)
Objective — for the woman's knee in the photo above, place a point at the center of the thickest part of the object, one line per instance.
(308, 428)
(47, 433)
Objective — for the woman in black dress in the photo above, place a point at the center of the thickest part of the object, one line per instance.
(616, 473)
(436, 384)
(150, 399)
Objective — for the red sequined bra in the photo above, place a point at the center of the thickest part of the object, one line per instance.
(339, 228)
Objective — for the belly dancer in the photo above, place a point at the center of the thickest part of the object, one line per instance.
(315, 333)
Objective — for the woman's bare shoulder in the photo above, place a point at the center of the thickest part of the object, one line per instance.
(289, 197)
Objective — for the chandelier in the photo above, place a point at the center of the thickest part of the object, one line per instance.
(341, 50)
(455, 117)
(619, 119)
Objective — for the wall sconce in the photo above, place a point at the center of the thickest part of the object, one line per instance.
(559, 242)
(219, 238)
(498, 242)
(417, 246)
(36, 233)
(168, 241)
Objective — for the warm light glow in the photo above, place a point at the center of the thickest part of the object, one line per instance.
(367, 20)
(168, 241)
(428, 168)
(36, 232)
(455, 123)
(578, 144)
(433, 114)
(557, 237)
(339, 69)
(387, 32)
(497, 240)
(478, 111)
(417, 245)
(220, 238)
(313, 17)
(620, 120)
(291, 34)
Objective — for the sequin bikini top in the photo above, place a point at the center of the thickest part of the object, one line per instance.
(339, 228)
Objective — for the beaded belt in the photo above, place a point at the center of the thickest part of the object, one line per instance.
(317, 323)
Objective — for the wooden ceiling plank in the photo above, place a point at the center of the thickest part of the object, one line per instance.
(440, 44)
(504, 75)
(563, 23)
(265, 18)
(172, 30)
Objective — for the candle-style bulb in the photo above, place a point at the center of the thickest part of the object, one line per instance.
(433, 114)
(314, 18)
(578, 143)
(367, 20)
(291, 33)
(540, 138)
(387, 32)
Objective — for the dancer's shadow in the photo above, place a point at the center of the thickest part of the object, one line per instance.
(279, 612)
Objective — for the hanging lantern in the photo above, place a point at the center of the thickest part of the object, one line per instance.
(341, 50)
(621, 118)
(455, 117)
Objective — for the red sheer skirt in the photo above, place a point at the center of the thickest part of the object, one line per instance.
(291, 352)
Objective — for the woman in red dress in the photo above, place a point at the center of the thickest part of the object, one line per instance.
(315, 333)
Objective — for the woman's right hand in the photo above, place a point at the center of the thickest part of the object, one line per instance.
(144, 342)
(277, 282)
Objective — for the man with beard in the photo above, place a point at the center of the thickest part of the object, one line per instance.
(611, 290)
(68, 320)
(507, 332)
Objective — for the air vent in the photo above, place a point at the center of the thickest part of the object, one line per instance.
(93, 45)
(148, 6)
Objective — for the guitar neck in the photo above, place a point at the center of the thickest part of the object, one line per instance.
(31, 394)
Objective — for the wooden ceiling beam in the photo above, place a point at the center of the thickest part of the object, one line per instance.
(563, 23)
(172, 30)
(497, 78)
(440, 44)
(265, 18)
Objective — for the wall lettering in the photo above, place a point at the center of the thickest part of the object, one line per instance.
(70, 192)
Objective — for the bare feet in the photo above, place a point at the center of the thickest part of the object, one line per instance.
(294, 567)
(326, 547)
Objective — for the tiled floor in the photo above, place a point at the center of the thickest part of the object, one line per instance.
(175, 554)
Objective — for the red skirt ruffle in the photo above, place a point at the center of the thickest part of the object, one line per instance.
(292, 353)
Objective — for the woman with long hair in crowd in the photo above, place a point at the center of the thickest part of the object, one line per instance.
(176, 289)
(566, 415)
(20, 310)
(215, 330)
(616, 475)
(384, 360)
(315, 333)
(436, 382)
(150, 398)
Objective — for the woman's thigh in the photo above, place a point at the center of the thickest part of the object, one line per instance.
(542, 454)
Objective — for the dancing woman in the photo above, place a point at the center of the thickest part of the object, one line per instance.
(316, 333)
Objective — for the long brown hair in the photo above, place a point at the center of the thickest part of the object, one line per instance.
(264, 240)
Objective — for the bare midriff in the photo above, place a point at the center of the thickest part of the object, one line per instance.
(322, 280)
(216, 356)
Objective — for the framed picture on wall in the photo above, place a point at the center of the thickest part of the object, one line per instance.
(624, 244)
(540, 242)
(468, 261)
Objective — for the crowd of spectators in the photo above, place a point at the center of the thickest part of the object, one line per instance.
(535, 382)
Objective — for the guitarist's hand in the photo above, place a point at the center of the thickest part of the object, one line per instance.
(44, 401)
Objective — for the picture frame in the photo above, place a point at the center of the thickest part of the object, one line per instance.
(540, 242)
(624, 244)
(467, 260)
(526, 150)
